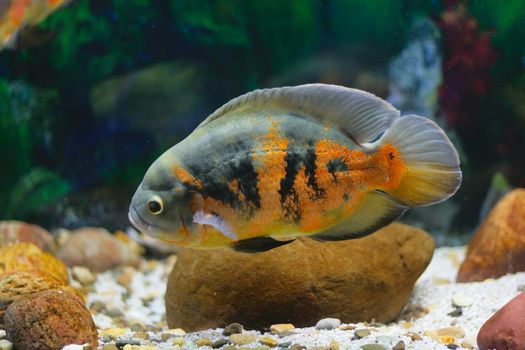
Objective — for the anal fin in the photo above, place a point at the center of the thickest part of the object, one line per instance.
(257, 244)
(377, 210)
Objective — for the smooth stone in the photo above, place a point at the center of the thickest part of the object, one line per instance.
(505, 329)
(299, 282)
(361, 333)
(82, 275)
(232, 328)
(497, 247)
(334, 345)
(109, 347)
(203, 342)
(269, 341)
(242, 339)
(96, 249)
(281, 328)
(5, 344)
(178, 341)
(373, 347)
(461, 300)
(328, 323)
(385, 339)
(12, 231)
(297, 347)
(284, 344)
(455, 332)
(400, 345)
(219, 343)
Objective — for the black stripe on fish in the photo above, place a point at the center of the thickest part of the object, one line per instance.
(288, 197)
(310, 170)
(244, 172)
(334, 166)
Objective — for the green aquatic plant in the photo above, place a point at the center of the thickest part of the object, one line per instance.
(24, 188)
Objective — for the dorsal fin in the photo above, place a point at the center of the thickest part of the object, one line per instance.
(359, 114)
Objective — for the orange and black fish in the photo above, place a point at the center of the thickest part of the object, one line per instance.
(15, 15)
(321, 161)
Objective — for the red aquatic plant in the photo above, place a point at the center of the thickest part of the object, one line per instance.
(468, 55)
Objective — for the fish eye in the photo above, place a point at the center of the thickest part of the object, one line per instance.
(155, 205)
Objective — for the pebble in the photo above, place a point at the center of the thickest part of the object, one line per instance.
(385, 339)
(328, 323)
(399, 346)
(242, 339)
(5, 344)
(78, 347)
(139, 347)
(284, 344)
(452, 346)
(110, 347)
(203, 342)
(347, 327)
(126, 277)
(281, 328)
(414, 336)
(143, 336)
(334, 345)
(297, 347)
(373, 347)
(461, 300)
(179, 332)
(467, 345)
(2, 334)
(233, 328)
(266, 340)
(112, 333)
(521, 288)
(361, 333)
(122, 343)
(446, 339)
(137, 327)
(455, 332)
(82, 275)
(178, 341)
(219, 343)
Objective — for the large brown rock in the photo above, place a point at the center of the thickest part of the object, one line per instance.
(49, 320)
(26, 256)
(505, 330)
(96, 249)
(12, 231)
(15, 285)
(302, 282)
(498, 246)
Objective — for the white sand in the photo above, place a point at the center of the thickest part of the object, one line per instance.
(434, 291)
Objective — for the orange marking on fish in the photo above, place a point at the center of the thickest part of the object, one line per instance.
(184, 176)
(270, 157)
(18, 9)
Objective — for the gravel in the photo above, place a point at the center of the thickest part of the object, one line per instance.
(442, 311)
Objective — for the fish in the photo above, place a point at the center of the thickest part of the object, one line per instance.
(15, 15)
(320, 161)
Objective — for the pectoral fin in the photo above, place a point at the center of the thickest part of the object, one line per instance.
(257, 244)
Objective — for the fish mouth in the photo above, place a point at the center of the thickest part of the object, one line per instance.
(143, 226)
(137, 221)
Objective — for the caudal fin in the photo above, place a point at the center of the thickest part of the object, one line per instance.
(432, 171)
